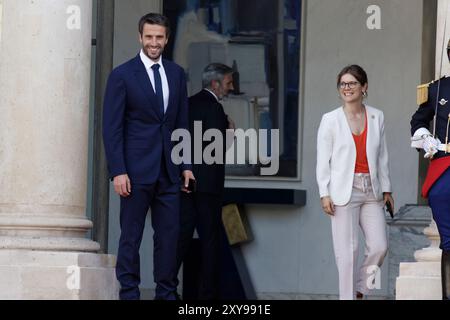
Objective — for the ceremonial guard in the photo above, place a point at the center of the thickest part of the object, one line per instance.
(433, 99)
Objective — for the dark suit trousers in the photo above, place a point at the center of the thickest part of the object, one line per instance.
(202, 211)
(163, 199)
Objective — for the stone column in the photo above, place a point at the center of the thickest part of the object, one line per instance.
(442, 37)
(45, 58)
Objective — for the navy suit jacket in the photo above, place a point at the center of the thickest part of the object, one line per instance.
(136, 134)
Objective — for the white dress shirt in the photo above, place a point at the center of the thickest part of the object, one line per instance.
(148, 63)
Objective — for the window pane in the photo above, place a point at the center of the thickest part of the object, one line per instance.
(261, 40)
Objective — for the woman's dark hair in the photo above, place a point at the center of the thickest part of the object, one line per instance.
(355, 71)
(154, 18)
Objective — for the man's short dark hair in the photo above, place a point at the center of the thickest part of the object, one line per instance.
(154, 18)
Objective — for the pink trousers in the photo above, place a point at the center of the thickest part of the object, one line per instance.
(365, 211)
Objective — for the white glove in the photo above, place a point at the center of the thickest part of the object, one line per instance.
(430, 145)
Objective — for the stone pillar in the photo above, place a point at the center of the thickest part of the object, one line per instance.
(442, 37)
(45, 58)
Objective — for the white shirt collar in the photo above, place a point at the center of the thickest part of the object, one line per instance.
(212, 93)
(148, 63)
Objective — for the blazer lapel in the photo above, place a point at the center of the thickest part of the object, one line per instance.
(370, 123)
(347, 129)
(146, 85)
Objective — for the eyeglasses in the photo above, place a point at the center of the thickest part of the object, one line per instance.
(351, 85)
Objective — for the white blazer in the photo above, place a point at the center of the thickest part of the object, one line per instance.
(336, 156)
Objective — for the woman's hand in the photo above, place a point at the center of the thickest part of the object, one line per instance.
(327, 205)
(387, 197)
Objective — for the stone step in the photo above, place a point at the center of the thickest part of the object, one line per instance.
(420, 269)
(40, 275)
(415, 288)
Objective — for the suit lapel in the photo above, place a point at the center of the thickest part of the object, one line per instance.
(170, 82)
(146, 85)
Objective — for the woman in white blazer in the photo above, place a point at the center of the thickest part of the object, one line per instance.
(353, 178)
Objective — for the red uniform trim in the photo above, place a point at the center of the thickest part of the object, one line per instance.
(435, 170)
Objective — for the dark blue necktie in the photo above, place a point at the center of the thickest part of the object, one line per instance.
(158, 87)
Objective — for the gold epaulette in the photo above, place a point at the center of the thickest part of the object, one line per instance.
(422, 93)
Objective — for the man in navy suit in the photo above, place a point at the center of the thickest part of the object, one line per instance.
(145, 101)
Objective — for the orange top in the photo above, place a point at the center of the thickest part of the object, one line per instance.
(361, 166)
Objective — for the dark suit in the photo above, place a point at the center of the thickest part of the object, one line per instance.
(137, 139)
(202, 209)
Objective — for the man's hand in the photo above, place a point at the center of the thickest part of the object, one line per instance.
(327, 205)
(430, 145)
(187, 174)
(122, 185)
(230, 133)
(231, 124)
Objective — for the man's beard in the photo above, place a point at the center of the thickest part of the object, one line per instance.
(147, 51)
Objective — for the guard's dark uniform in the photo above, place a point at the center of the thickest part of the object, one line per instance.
(437, 183)
(425, 114)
